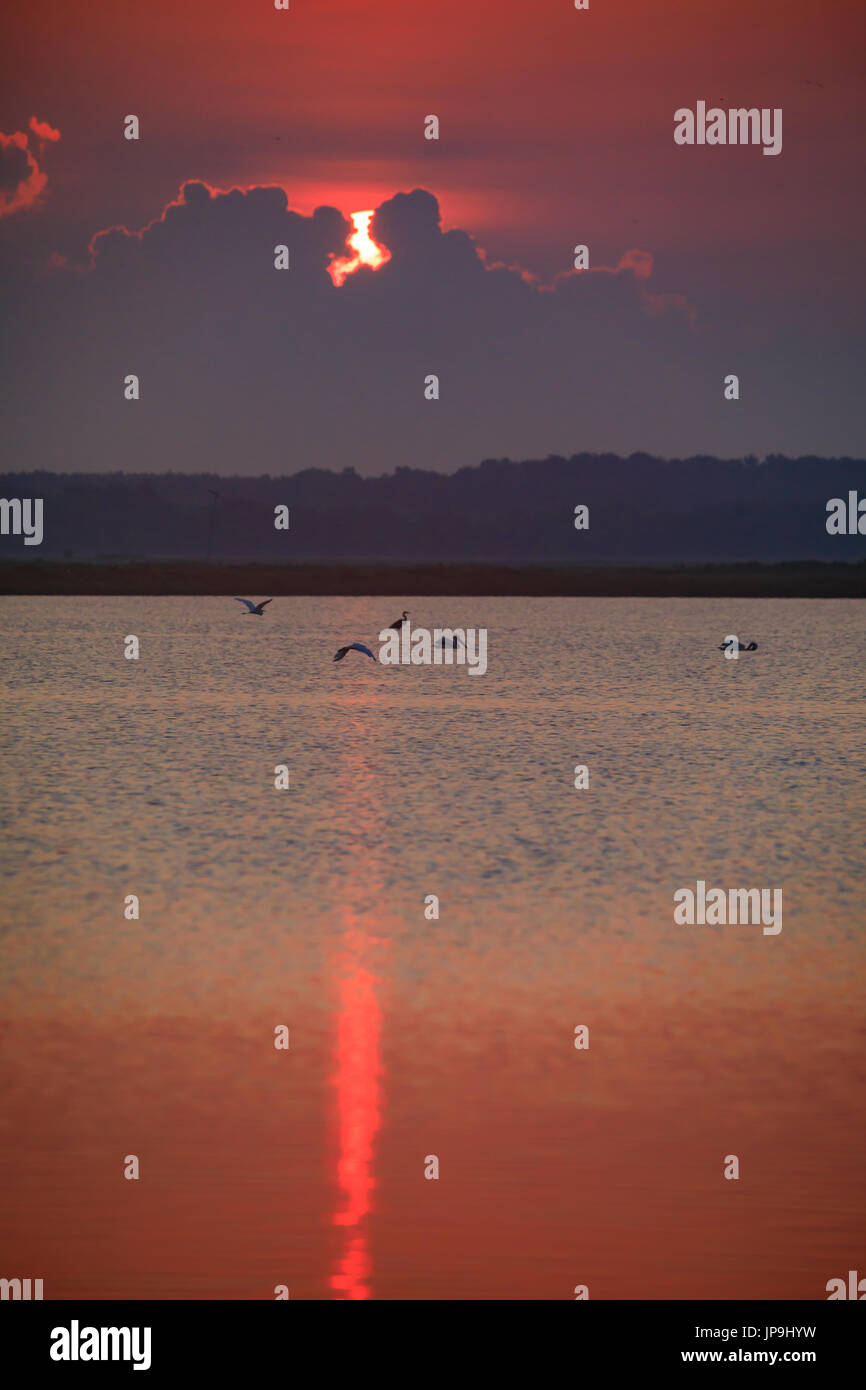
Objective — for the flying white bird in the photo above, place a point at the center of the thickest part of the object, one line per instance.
(256, 609)
(354, 647)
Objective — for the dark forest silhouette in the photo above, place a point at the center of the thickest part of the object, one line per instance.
(643, 510)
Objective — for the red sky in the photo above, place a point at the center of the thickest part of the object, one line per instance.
(556, 124)
(556, 129)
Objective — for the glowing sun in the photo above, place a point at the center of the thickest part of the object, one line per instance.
(365, 249)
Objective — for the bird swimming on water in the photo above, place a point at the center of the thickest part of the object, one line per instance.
(353, 647)
(398, 623)
(256, 609)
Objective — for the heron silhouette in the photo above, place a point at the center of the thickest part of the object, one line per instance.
(353, 647)
(255, 610)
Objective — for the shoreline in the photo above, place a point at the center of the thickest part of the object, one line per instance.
(792, 579)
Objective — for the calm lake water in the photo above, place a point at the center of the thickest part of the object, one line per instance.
(412, 1037)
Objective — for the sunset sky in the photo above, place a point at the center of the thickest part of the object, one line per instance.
(556, 129)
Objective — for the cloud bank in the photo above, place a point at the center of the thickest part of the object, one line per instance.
(245, 368)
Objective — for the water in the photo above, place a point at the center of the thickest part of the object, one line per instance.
(412, 1037)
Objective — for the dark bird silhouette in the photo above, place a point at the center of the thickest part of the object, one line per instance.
(396, 626)
(353, 647)
(739, 647)
(256, 609)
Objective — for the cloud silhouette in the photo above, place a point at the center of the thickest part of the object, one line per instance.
(246, 368)
(14, 162)
(21, 180)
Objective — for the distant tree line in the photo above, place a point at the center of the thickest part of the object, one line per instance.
(641, 510)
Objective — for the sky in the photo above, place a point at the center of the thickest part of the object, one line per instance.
(556, 130)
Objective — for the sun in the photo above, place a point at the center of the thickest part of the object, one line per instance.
(365, 249)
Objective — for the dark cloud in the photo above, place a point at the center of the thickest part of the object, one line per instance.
(408, 224)
(17, 167)
(21, 180)
(245, 368)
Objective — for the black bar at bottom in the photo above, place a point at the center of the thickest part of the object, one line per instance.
(410, 1341)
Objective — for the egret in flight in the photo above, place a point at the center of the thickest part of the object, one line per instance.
(256, 609)
(354, 647)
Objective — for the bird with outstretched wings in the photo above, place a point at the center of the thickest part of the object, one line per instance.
(256, 609)
(353, 647)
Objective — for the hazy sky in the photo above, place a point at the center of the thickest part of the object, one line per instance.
(556, 128)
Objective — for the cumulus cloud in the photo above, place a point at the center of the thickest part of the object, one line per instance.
(246, 368)
(22, 182)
